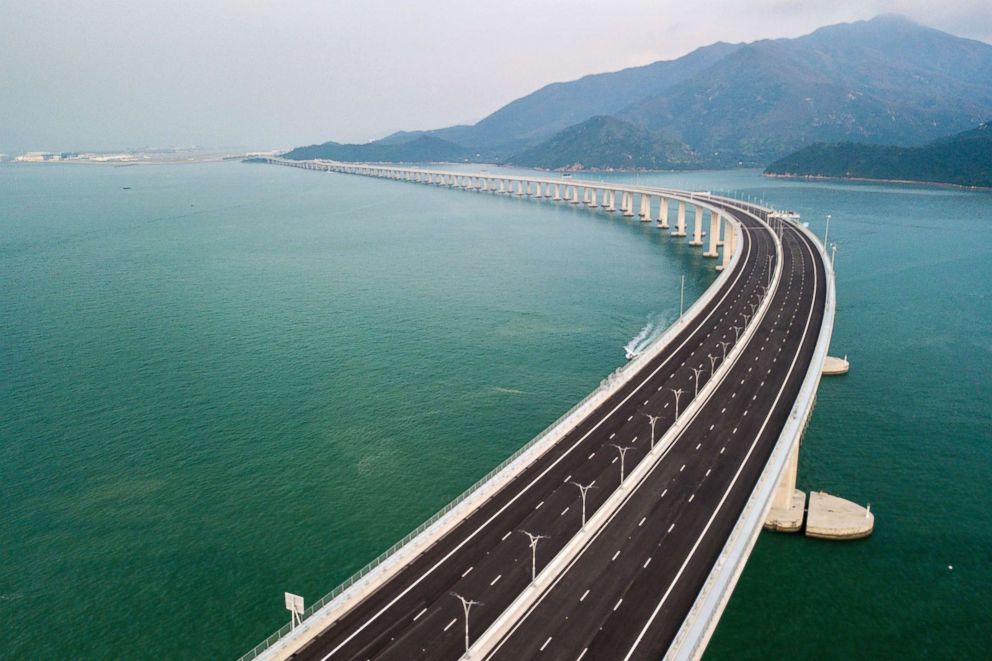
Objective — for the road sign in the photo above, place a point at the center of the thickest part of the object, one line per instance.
(294, 604)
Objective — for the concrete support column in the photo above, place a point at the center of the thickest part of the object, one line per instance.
(593, 195)
(557, 196)
(787, 484)
(645, 208)
(663, 213)
(520, 187)
(714, 235)
(680, 223)
(613, 201)
(728, 244)
(628, 204)
(537, 189)
(697, 228)
(575, 194)
(585, 196)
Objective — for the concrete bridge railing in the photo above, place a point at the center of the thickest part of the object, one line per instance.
(698, 627)
(724, 236)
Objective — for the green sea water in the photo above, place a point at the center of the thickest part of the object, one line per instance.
(235, 380)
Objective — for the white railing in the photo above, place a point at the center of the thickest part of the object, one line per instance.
(337, 602)
(691, 640)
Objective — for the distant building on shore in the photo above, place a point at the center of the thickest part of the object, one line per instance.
(37, 157)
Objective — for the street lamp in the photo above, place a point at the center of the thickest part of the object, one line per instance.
(747, 317)
(584, 490)
(737, 332)
(724, 345)
(652, 419)
(678, 395)
(466, 606)
(534, 539)
(697, 371)
(713, 360)
(623, 454)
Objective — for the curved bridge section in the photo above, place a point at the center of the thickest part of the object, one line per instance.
(621, 530)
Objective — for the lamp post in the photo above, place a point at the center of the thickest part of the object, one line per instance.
(534, 539)
(584, 490)
(737, 333)
(678, 395)
(725, 345)
(653, 419)
(623, 455)
(713, 360)
(697, 371)
(466, 607)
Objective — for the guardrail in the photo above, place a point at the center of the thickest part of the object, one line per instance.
(691, 640)
(441, 519)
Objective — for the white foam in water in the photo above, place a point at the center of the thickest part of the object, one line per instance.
(656, 326)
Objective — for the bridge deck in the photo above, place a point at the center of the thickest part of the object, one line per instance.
(486, 557)
(628, 593)
(632, 584)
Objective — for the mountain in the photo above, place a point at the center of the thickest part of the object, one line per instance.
(420, 149)
(556, 106)
(887, 80)
(606, 143)
(964, 159)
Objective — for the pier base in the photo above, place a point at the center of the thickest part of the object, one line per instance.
(788, 519)
(833, 366)
(831, 517)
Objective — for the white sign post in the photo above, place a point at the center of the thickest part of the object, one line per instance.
(294, 604)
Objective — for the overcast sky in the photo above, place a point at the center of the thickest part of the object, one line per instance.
(108, 74)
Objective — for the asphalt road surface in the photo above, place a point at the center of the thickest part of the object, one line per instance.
(626, 595)
(487, 558)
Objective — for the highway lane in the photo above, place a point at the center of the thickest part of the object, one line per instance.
(485, 557)
(628, 593)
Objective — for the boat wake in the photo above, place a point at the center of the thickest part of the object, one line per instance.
(655, 326)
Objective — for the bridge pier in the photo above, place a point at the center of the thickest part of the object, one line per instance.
(788, 506)
(680, 223)
(697, 227)
(645, 208)
(663, 213)
(728, 245)
(714, 235)
(628, 204)
(593, 195)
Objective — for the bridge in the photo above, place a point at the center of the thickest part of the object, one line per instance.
(621, 530)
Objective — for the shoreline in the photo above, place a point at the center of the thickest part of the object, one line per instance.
(913, 182)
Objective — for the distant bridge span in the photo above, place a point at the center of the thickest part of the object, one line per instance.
(687, 447)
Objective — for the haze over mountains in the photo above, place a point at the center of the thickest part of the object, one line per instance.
(885, 81)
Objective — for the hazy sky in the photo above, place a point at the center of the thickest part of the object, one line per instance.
(278, 73)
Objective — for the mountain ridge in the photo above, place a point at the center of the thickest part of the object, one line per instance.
(886, 80)
(962, 159)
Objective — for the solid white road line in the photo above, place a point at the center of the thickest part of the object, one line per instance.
(740, 469)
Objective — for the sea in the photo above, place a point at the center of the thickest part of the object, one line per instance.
(220, 382)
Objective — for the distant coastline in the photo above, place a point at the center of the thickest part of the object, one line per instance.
(915, 182)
